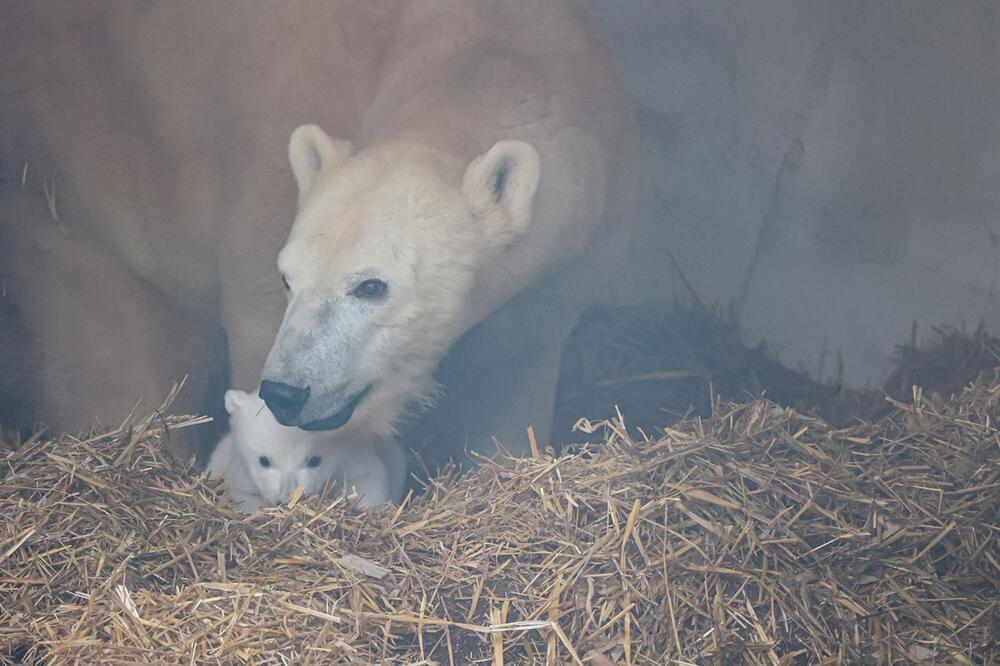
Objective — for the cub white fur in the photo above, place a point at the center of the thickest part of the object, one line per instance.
(263, 462)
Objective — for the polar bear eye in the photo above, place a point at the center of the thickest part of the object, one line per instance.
(370, 289)
(264, 461)
(314, 461)
(284, 281)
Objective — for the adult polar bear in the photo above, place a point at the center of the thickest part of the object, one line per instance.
(490, 147)
(473, 211)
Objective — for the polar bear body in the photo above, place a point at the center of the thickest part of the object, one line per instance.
(478, 199)
(163, 126)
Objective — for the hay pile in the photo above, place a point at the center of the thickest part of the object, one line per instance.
(661, 362)
(757, 536)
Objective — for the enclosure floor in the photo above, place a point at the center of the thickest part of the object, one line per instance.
(753, 534)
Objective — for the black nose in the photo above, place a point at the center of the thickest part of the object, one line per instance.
(284, 401)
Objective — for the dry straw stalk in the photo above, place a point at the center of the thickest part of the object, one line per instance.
(758, 536)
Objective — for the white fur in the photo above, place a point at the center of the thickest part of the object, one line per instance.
(373, 469)
(409, 215)
(186, 204)
(480, 196)
(224, 464)
(510, 214)
(310, 151)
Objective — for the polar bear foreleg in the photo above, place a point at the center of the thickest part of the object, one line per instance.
(501, 402)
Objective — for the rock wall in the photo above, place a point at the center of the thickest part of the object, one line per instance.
(831, 168)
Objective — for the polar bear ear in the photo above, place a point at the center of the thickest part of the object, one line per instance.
(310, 150)
(501, 184)
(234, 400)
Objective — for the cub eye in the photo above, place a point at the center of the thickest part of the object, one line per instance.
(314, 461)
(284, 281)
(264, 461)
(370, 290)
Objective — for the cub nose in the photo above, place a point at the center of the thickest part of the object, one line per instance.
(284, 401)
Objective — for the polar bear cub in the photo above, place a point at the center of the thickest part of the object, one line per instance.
(262, 462)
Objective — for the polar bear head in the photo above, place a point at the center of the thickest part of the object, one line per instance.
(378, 268)
(277, 458)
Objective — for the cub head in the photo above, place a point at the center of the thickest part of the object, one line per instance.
(278, 458)
(377, 270)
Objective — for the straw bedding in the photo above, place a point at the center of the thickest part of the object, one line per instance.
(658, 362)
(758, 535)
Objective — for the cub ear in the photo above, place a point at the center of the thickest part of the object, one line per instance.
(234, 400)
(501, 184)
(310, 150)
